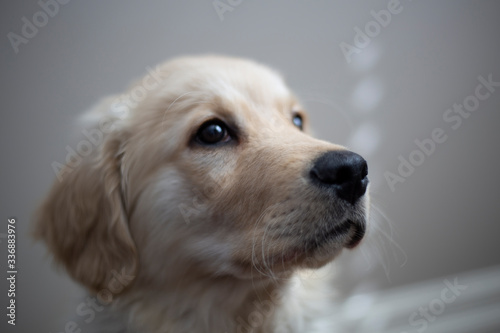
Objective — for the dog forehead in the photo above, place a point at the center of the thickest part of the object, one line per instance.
(231, 79)
(191, 88)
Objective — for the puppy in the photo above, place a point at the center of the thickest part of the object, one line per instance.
(204, 203)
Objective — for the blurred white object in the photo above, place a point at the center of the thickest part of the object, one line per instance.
(365, 139)
(368, 94)
(466, 303)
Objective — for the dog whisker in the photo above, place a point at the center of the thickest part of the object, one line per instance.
(381, 242)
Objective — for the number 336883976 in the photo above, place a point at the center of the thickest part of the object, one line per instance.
(11, 240)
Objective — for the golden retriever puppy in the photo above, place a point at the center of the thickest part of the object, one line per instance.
(202, 203)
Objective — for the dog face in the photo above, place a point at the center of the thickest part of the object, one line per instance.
(211, 172)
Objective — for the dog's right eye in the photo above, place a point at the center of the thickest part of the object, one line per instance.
(213, 132)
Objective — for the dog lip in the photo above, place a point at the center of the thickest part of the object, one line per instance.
(357, 229)
(322, 238)
(359, 233)
(339, 229)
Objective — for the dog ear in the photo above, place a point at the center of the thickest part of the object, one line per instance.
(83, 220)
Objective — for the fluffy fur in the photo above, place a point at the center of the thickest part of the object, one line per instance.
(207, 239)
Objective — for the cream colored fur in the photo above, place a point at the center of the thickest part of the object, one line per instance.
(213, 237)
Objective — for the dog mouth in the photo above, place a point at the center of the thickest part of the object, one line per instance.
(358, 234)
(349, 232)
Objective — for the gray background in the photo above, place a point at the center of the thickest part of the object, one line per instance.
(442, 221)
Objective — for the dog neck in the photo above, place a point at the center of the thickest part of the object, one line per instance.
(216, 304)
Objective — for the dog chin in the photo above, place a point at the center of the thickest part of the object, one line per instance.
(315, 250)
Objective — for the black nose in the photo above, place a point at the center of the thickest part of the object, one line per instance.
(343, 171)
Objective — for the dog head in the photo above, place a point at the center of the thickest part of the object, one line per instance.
(209, 169)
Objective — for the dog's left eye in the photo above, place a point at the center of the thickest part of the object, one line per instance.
(298, 121)
(213, 132)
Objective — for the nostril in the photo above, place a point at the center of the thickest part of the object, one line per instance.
(314, 174)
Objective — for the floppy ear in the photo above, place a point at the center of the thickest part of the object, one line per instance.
(83, 220)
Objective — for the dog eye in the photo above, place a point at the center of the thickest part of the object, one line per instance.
(212, 132)
(297, 121)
